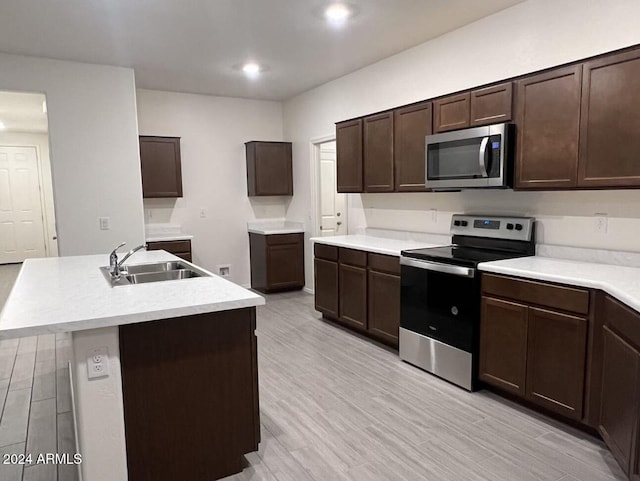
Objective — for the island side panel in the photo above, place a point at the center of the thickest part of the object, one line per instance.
(99, 408)
(190, 395)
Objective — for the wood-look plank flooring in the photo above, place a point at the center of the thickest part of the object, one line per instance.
(335, 406)
(35, 400)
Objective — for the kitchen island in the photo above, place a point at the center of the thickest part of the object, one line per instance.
(176, 396)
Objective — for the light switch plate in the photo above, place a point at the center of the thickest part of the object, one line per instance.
(105, 223)
(98, 363)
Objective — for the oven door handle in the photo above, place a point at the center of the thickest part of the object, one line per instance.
(437, 267)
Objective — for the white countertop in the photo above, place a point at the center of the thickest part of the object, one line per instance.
(378, 245)
(621, 282)
(165, 232)
(61, 294)
(168, 237)
(276, 226)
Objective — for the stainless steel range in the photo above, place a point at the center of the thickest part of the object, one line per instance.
(440, 293)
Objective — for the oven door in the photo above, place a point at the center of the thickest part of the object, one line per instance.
(440, 301)
(469, 158)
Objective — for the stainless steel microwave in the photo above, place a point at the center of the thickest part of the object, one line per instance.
(480, 157)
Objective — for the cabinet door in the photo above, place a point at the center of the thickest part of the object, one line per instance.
(273, 168)
(378, 153)
(610, 122)
(285, 266)
(451, 113)
(349, 156)
(619, 403)
(556, 357)
(353, 295)
(411, 126)
(326, 287)
(548, 120)
(161, 166)
(491, 105)
(503, 344)
(384, 306)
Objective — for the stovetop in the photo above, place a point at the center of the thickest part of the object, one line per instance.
(460, 255)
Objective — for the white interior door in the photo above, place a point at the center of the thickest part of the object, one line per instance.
(21, 224)
(333, 206)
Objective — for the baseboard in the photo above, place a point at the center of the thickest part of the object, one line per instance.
(308, 290)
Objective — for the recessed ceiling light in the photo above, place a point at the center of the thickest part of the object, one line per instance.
(338, 13)
(252, 69)
(2, 126)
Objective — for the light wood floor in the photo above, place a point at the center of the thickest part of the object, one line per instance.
(335, 406)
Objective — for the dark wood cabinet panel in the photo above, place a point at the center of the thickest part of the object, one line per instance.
(491, 105)
(610, 122)
(353, 295)
(556, 356)
(378, 153)
(269, 168)
(161, 166)
(548, 119)
(384, 305)
(326, 287)
(451, 113)
(411, 125)
(352, 257)
(384, 263)
(180, 248)
(349, 161)
(503, 344)
(190, 393)
(620, 403)
(277, 262)
(323, 251)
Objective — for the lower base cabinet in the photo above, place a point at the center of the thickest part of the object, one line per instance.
(180, 248)
(277, 262)
(360, 290)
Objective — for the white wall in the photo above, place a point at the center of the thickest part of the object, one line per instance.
(41, 143)
(530, 36)
(94, 148)
(213, 131)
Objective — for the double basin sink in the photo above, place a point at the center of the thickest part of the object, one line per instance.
(156, 272)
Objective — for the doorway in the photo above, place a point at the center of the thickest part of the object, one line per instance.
(331, 206)
(27, 220)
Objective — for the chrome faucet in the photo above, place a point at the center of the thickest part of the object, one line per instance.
(115, 266)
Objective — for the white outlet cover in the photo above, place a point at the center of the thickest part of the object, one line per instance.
(98, 363)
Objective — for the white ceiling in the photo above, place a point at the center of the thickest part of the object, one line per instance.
(192, 45)
(22, 112)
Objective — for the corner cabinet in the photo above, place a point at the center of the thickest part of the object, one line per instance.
(161, 166)
(269, 168)
(349, 160)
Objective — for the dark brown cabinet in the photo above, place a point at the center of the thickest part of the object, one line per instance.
(610, 122)
(548, 121)
(491, 105)
(326, 280)
(161, 166)
(411, 125)
(378, 153)
(352, 268)
(277, 262)
(384, 297)
(180, 248)
(269, 168)
(452, 112)
(530, 350)
(349, 160)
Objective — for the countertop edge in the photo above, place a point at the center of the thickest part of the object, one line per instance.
(275, 231)
(168, 238)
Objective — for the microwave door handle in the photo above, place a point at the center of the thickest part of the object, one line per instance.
(482, 156)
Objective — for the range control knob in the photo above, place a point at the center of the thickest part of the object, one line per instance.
(456, 222)
(518, 226)
(509, 226)
(464, 223)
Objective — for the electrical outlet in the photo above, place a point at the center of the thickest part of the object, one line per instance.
(601, 224)
(105, 223)
(98, 363)
(224, 270)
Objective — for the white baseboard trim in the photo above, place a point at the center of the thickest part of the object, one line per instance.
(308, 290)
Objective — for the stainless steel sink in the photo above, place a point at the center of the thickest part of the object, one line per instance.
(156, 272)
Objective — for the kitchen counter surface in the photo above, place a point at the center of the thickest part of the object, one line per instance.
(168, 237)
(378, 245)
(275, 227)
(621, 282)
(62, 294)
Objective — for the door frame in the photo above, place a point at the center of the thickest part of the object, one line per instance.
(49, 250)
(314, 170)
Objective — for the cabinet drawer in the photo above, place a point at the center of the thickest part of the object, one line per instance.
(322, 251)
(170, 246)
(275, 239)
(622, 319)
(384, 263)
(353, 257)
(559, 297)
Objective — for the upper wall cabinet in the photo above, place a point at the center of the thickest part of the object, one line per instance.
(378, 153)
(411, 125)
(610, 122)
(451, 113)
(349, 156)
(161, 167)
(548, 120)
(269, 168)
